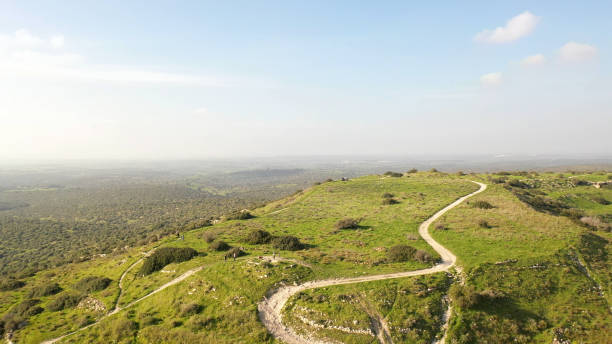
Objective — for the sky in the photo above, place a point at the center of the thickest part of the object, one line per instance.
(217, 79)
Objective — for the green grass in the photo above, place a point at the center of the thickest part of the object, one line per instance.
(563, 296)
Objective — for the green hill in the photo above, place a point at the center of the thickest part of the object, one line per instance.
(524, 274)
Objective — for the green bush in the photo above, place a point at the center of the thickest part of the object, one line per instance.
(483, 224)
(463, 296)
(240, 215)
(389, 201)
(190, 309)
(219, 245)
(601, 200)
(579, 182)
(65, 300)
(123, 328)
(10, 284)
(388, 195)
(517, 184)
(422, 256)
(164, 256)
(413, 170)
(235, 250)
(287, 242)
(347, 223)
(433, 170)
(401, 253)
(27, 308)
(482, 205)
(209, 236)
(258, 237)
(45, 290)
(92, 284)
(393, 174)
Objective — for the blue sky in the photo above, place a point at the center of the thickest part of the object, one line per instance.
(116, 79)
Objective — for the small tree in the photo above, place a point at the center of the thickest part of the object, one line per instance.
(219, 245)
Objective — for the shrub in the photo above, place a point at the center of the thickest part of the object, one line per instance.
(482, 205)
(258, 237)
(288, 243)
(164, 256)
(393, 174)
(389, 201)
(423, 256)
(10, 284)
(209, 236)
(413, 170)
(45, 290)
(499, 180)
(460, 173)
(595, 222)
(237, 251)
(401, 253)
(517, 184)
(572, 213)
(92, 284)
(27, 308)
(240, 215)
(347, 223)
(388, 195)
(483, 224)
(441, 227)
(219, 245)
(190, 309)
(601, 200)
(123, 328)
(64, 300)
(433, 170)
(580, 182)
(463, 296)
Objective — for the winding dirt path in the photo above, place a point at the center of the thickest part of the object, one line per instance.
(118, 309)
(270, 308)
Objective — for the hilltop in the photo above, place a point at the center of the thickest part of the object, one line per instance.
(532, 253)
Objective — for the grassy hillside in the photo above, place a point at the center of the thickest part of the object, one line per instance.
(528, 273)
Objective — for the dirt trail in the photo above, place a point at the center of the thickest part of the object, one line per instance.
(270, 308)
(118, 309)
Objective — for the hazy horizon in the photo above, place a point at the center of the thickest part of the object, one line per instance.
(208, 80)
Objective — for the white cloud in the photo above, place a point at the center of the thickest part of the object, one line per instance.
(57, 41)
(24, 54)
(491, 79)
(575, 52)
(533, 60)
(201, 110)
(517, 27)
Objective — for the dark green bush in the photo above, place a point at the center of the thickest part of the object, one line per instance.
(413, 170)
(65, 300)
(393, 174)
(347, 223)
(483, 224)
(258, 237)
(482, 205)
(401, 253)
(92, 284)
(423, 256)
(219, 245)
(235, 250)
(164, 256)
(579, 182)
(517, 184)
(433, 170)
(287, 242)
(388, 195)
(45, 290)
(190, 309)
(601, 200)
(10, 284)
(240, 215)
(27, 308)
(209, 236)
(389, 201)
(463, 296)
